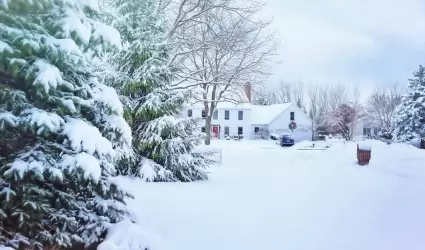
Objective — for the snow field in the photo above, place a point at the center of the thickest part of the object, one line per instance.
(267, 197)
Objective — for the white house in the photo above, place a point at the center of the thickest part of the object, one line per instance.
(276, 119)
(366, 127)
(254, 121)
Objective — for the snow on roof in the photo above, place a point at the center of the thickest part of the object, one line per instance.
(229, 105)
(266, 114)
(221, 105)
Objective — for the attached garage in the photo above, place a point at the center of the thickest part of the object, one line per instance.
(275, 119)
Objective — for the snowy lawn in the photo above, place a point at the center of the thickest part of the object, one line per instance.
(265, 197)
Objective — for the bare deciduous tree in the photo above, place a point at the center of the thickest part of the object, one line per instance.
(189, 13)
(223, 50)
(263, 95)
(337, 95)
(290, 92)
(283, 93)
(297, 92)
(313, 104)
(329, 106)
(381, 107)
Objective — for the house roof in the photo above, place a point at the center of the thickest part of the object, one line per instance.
(223, 105)
(266, 114)
(229, 105)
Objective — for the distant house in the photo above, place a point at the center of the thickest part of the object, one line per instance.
(366, 127)
(254, 121)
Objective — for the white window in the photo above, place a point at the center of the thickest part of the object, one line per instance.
(204, 114)
(215, 115)
(226, 131)
(366, 131)
(240, 115)
(240, 130)
(226, 115)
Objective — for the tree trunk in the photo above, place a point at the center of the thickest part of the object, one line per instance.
(312, 130)
(346, 133)
(208, 130)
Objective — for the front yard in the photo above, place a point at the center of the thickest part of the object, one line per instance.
(265, 197)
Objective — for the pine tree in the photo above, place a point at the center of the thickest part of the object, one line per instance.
(164, 145)
(409, 121)
(61, 129)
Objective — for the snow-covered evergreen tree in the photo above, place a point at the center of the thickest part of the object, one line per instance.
(164, 145)
(409, 121)
(61, 129)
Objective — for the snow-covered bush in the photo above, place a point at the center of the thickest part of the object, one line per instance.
(163, 145)
(409, 122)
(62, 130)
(127, 235)
(171, 145)
(274, 136)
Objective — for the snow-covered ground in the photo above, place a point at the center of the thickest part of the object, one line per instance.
(265, 197)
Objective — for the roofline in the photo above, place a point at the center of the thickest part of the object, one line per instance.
(281, 113)
(292, 103)
(240, 105)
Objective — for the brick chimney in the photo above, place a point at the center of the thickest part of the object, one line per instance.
(248, 91)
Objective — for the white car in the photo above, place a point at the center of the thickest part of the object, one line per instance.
(275, 137)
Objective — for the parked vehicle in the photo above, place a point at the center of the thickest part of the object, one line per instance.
(287, 140)
(274, 137)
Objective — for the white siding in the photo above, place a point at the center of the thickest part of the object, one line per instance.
(280, 124)
(365, 123)
(260, 126)
(233, 123)
(358, 129)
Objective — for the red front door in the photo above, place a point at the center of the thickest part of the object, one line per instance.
(215, 131)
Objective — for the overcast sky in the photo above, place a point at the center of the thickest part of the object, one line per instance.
(363, 42)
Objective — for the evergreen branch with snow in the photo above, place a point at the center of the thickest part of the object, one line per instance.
(163, 145)
(62, 130)
(409, 120)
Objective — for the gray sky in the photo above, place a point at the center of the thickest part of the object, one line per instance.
(364, 42)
